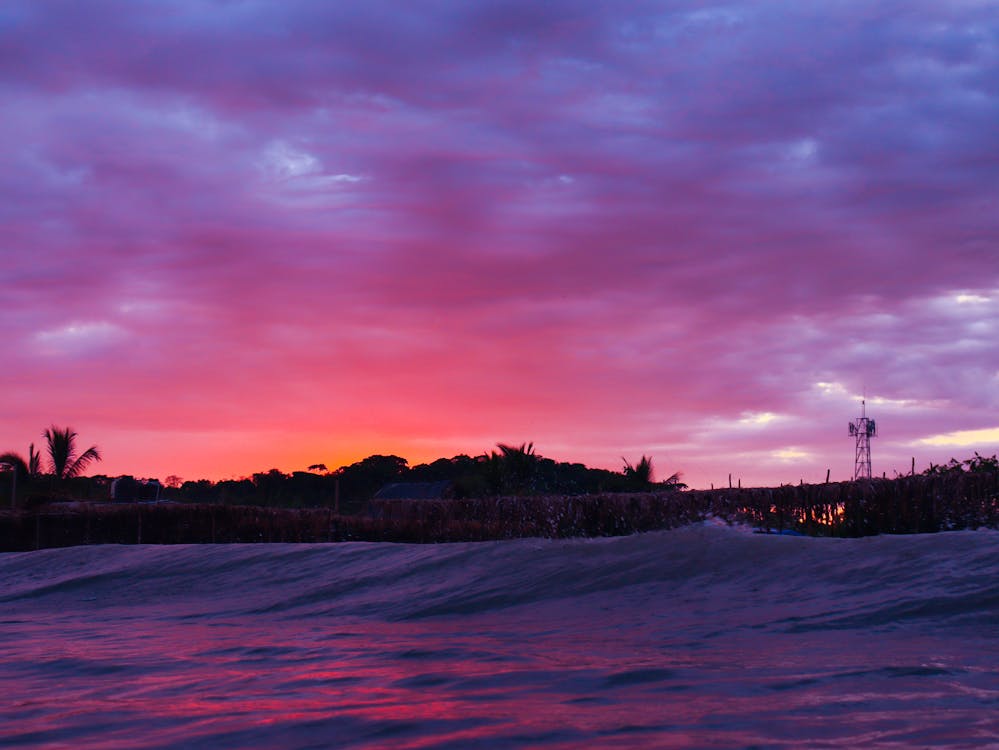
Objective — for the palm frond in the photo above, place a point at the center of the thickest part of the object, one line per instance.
(79, 465)
(674, 482)
(640, 473)
(516, 467)
(62, 452)
(524, 449)
(60, 445)
(34, 461)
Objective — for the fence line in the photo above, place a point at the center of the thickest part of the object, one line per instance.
(910, 504)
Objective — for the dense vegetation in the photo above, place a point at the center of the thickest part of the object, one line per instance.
(508, 471)
(514, 471)
(498, 495)
(512, 491)
(940, 501)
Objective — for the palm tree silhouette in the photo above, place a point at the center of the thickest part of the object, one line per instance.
(640, 476)
(64, 461)
(518, 466)
(641, 473)
(30, 468)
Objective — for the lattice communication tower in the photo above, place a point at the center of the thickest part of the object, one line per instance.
(863, 429)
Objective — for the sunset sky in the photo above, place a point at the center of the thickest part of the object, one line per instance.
(245, 235)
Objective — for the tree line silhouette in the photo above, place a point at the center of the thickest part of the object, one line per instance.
(511, 491)
(510, 470)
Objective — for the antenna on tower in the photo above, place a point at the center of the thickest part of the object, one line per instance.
(862, 430)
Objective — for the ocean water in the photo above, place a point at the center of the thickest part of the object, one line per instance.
(702, 637)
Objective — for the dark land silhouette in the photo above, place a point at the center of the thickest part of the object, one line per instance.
(509, 492)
